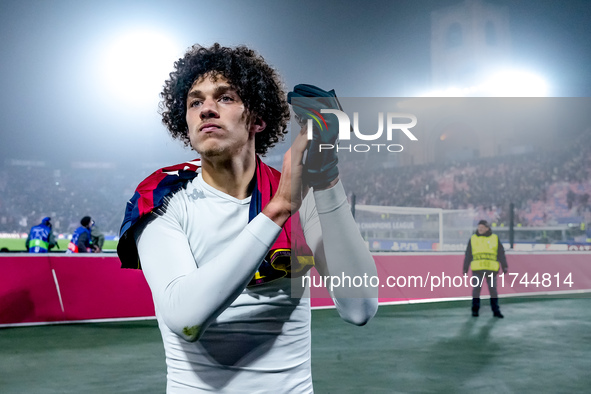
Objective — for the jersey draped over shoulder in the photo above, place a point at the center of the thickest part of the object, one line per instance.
(151, 198)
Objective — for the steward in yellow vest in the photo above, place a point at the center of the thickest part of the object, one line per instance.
(484, 255)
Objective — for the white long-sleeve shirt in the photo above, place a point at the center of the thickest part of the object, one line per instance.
(220, 336)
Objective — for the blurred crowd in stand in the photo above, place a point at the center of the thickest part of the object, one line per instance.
(547, 188)
(29, 193)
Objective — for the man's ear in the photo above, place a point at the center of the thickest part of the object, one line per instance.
(258, 124)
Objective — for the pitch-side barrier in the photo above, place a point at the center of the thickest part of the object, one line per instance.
(58, 288)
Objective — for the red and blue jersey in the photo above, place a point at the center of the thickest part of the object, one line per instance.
(151, 197)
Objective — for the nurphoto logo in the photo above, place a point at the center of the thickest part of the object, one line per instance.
(394, 122)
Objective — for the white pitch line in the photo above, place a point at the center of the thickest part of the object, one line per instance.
(57, 287)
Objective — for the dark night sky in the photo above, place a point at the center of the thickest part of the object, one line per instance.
(59, 102)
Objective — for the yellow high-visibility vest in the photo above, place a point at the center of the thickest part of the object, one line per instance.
(484, 252)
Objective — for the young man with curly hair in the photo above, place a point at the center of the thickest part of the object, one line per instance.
(221, 238)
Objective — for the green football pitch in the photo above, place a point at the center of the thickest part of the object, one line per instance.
(18, 245)
(542, 346)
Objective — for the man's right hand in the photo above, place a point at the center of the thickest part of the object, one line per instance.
(290, 191)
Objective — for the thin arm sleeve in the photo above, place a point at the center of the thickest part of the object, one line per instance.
(52, 241)
(501, 257)
(82, 241)
(189, 297)
(468, 256)
(339, 250)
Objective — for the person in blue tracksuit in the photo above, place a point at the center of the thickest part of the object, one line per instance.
(41, 239)
(81, 239)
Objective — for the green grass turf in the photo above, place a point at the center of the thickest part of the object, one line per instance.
(542, 346)
(125, 357)
(18, 245)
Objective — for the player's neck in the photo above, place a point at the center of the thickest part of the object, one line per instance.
(232, 176)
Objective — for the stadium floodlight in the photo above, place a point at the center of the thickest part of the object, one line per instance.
(504, 83)
(136, 64)
(515, 83)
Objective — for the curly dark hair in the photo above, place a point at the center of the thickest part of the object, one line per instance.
(257, 84)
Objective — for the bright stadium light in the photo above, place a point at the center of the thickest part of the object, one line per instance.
(506, 83)
(136, 65)
(515, 83)
(449, 92)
